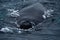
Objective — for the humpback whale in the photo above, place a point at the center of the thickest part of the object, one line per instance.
(31, 15)
(28, 18)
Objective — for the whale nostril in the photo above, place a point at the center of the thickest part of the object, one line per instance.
(26, 25)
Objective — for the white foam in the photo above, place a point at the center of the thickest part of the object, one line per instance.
(11, 30)
(13, 13)
(48, 13)
(6, 29)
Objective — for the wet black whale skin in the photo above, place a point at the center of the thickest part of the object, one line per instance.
(32, 13)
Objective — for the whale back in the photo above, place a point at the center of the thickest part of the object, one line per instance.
(32, 13)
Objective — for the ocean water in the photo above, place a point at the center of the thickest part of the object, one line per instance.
(50, 28)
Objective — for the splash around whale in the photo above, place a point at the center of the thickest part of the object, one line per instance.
(27, 18)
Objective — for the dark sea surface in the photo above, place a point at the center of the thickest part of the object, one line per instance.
(50, 27)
